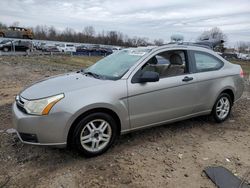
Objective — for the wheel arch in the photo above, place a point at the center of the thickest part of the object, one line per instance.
(86, 113)
(230, 93)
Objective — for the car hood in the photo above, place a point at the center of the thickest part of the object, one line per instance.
(60, 84)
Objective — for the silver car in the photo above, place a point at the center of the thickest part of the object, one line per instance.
(132, 89)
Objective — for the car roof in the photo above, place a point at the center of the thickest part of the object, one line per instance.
(190, 46)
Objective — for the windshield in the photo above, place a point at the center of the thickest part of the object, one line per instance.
(5, 41)
(117, 64)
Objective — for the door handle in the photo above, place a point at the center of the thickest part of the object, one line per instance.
(187, 79)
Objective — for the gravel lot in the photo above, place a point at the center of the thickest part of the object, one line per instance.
(172, 155)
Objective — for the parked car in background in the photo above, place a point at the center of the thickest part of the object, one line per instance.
(66, 48)
(38, 45)
(82, 48)
(243, 56)
(17, 32)
(99, 50)
(246, 57)
(41, 46)
(5, 42)
(115, 49)
(94, 50)
(229, 55)
(18, 45)
(129, 90)
(50, 48)
(104, 51)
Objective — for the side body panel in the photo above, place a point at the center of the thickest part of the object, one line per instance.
(156, 102)
(211, 83)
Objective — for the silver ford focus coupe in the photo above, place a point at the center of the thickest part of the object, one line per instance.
(131, 89)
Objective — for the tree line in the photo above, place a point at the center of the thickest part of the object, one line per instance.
(88, 35)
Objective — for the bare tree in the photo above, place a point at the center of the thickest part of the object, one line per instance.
(243, 47)
(15, 24)
(89, 31)
(41, 32)
(213, 34)
(3, 26)
(142, 41)
(88, 35)
(52, 33)
(158, 42)
(177, 38)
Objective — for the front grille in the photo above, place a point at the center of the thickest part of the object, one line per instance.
(21, 108)
(20, 104)
(28, 137)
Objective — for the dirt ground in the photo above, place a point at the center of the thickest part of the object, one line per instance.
(172, 155)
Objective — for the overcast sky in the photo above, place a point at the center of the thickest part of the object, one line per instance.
(144, 18)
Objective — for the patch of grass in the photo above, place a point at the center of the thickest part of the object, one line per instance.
(82, 61)
(72, 61)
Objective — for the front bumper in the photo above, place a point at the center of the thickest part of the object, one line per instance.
(46, 130)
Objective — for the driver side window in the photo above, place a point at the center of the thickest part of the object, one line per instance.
(167, 64)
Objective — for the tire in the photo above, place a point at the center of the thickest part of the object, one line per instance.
(88, 137)
(1, 35)
(222, 108)
(5, 49)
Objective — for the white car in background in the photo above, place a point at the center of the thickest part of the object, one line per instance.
(244, 56)
(66, 48)
(116, 49)
(247, 57)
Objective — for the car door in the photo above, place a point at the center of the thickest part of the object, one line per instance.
(172, 97)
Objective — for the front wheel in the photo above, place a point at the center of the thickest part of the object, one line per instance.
(94, 134)
(222, 107)
(5, 49)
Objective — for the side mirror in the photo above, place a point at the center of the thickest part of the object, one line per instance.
(149, 76)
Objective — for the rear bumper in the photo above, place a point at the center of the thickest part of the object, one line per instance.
(40, 130)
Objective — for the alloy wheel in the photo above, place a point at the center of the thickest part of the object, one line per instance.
(95, 135)
(223, 108)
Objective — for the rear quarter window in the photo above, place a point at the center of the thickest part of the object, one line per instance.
(206, 62)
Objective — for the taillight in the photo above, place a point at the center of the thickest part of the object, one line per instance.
(241, 73)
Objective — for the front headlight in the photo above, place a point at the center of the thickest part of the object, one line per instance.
(42, 106)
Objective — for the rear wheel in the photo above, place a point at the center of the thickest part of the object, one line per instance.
(94, 134)
(222, 107)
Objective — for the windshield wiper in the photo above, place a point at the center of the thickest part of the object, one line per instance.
(92, 74)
